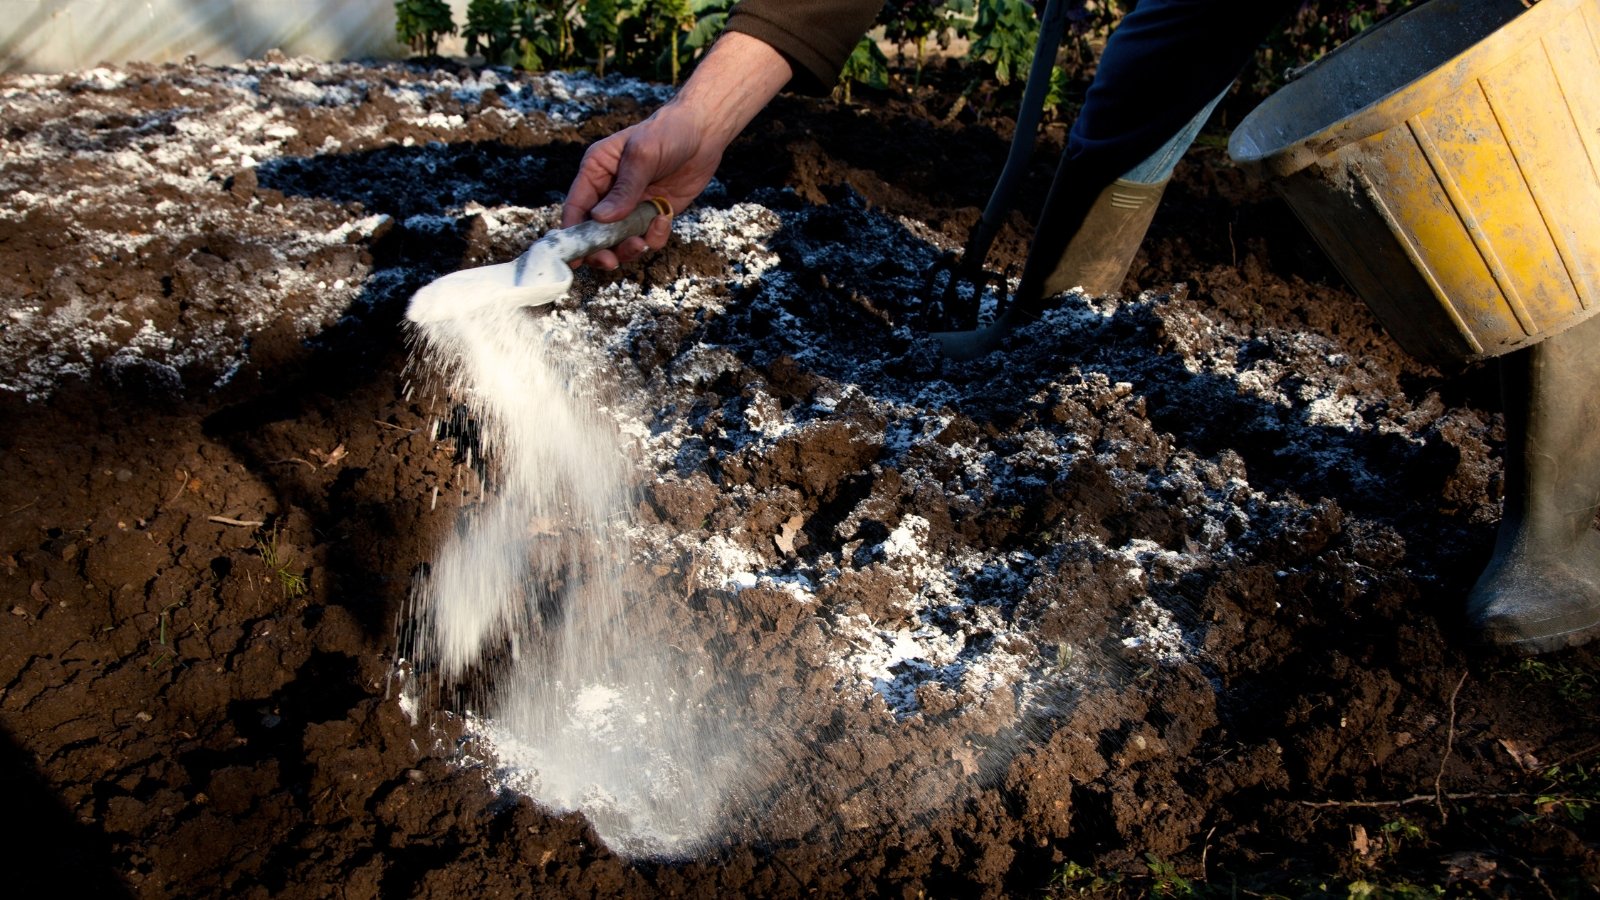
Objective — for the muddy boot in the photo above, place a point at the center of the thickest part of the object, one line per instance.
(1089, 248)
(1541, 590)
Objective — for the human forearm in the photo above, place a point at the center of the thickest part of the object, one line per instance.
(730, 86)
(674, 153)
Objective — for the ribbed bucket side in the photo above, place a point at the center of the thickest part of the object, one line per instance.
(1499, 192)
(1471, 224)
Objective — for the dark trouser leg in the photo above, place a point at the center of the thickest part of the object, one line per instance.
(1541, 589)
(1166, 63)
(1164, 67)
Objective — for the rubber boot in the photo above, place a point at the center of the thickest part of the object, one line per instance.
(1541, 590)
(1088, 245)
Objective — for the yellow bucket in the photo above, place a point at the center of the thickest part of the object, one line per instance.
(1448, 162)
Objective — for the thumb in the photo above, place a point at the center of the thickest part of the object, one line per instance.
(626, 191)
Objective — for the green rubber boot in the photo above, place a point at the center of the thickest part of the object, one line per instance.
(1086, 242)
(1541, 590)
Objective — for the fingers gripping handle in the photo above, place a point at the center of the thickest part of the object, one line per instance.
(585, 238)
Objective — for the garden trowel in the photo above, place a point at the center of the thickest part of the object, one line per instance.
(539, 276)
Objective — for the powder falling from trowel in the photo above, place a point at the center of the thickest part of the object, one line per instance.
(527, 602)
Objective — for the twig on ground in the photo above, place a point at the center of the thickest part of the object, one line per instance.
(1419, 798)
(295, 459)
(1574, 757)
(1449, 748)
(1491, 842)
(183, 482)
(12, 512)
(242, 523)
(1533, 873)
(404, 431)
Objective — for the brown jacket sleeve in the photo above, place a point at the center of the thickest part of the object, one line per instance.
(816, 36)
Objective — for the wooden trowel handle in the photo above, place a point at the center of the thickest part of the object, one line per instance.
(585, 238)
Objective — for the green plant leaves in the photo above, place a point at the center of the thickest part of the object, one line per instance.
(660, 38)
(420, 23)
(867, 65)
(491, 29)
(1003, 36)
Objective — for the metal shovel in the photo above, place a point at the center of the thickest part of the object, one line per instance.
(539, 276)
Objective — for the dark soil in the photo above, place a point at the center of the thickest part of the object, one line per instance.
(206, 555)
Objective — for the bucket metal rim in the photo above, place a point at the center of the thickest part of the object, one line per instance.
(1396, 106)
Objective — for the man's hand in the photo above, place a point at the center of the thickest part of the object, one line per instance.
(675, 152)
(666, 155)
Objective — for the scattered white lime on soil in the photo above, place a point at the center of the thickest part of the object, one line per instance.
(928, 646)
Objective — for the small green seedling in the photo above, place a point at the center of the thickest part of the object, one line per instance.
(164, 636)
(1575, 685)
(1573, 790)
(292, 584)
(1402, 890)
(1166, 882)
(1081, 880)
(1401, 831)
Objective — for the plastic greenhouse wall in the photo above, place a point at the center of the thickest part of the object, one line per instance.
(62, 35)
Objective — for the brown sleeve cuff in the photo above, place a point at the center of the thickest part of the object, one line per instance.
(816, 37)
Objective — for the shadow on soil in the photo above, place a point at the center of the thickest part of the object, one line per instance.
(49, 853)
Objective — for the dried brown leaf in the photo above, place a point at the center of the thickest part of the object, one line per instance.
(1521, 753)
